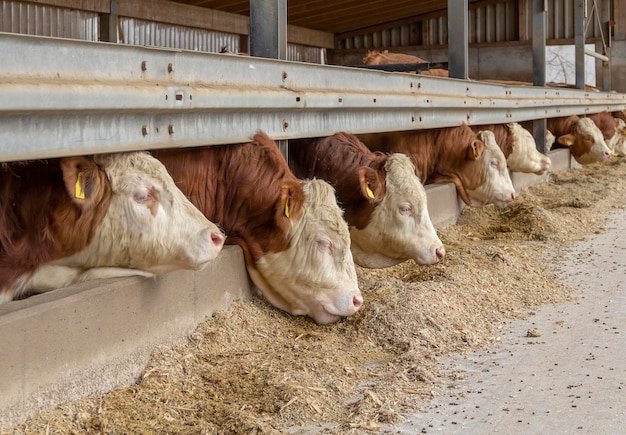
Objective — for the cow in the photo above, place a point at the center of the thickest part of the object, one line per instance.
(519, 148)
(618, 145)
(384, 202)
(78, 218)
(549, 137)
(582, 136)
(472, 161)
(611, 131)
(295, 241)
(375, 57)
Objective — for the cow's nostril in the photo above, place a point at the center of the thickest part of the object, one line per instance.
(217, 239)
(357, 301)
(440, 252)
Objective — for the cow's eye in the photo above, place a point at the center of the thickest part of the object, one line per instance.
(405, 209)
(142, 196)
(325, 246)
(494, 164)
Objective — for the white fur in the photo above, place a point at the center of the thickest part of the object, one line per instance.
(497, 188)
(525, 157)
(617, 144)
(392, 237)
(305, 279)
(599, 150)
(130, 240)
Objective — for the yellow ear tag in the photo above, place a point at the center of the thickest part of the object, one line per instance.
(569, 143)
(369, 191)
(78, 188)
(287, 207)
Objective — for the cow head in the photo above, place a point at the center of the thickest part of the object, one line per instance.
(524, 156)
(315, 276)
(618, 143)
(497, 187)
(586, 143)
(400, 227)
(150, 226)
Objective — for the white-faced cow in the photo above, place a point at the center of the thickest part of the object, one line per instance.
(375, 57)
(383, 200)
(295, 241)
(519, 148)
(476, 166)
(77, 218)
(582, 136)
(618, 145)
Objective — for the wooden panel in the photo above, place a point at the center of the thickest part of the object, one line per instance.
(173, 13)
(100, 6)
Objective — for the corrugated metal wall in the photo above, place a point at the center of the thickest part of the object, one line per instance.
(492, 23)
(34, 19)
(139, 32)
(41, 20)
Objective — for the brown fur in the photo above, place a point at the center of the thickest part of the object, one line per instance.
(621, 114)
(375, 57)
(242, 188)
(337, 159)
(503, 136)
(40, 220)
(606, 123)
(440, 155)
(566, 126)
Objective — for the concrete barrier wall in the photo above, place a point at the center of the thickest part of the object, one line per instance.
(90, 338)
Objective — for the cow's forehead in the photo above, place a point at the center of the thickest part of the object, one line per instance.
(401, 177)
(321, 206)
(587, 126)
(491, 146)
(134, 167)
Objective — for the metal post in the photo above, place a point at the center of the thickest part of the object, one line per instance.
(540, 9)
(539, 42)
(268, 28)
(268, 37)
(579, 37)
(457, 39)
(109, 24)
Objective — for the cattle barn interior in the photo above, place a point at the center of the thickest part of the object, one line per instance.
(83, 77)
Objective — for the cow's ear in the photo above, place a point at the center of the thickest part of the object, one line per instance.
(290, 204)
(372, 186)
(566, 140)
(83, 180)
(475, 149)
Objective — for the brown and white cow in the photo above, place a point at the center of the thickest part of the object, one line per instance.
(618, 145)
(78, 218)
(384, 202)
(375, 57)
(519, 148)
(610, 128)
(473, 162)
(295, 241)
(582, 136)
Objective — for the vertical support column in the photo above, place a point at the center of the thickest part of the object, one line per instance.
(457, 39)
(604, 14)
(268, 28)
(109, 24)
(579, 38)
(540, 9)
(268, 37)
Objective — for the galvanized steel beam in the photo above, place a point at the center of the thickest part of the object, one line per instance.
(67, 97)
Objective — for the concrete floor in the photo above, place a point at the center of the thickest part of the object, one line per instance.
(570, 379)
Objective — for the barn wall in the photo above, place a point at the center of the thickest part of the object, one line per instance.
(42, 20)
